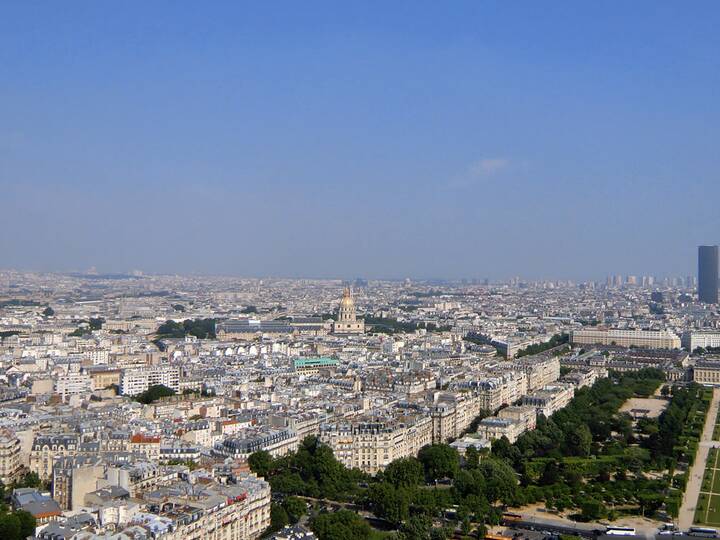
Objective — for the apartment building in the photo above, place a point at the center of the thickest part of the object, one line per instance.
(72, 383)
(101, 377)
(276, 442)
(312, 366)
(700, 338)
(585, 376)
(524, 414)
(550, 398)
(75, 476)
(654, 339)
(179, 511)
(10, 463)
(493, 427)
(96, 356)
(540, 370)
(503, 389)
(370, 444)
(136, 381)
(231, 512)
(45, 448)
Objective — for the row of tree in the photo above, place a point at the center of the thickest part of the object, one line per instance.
(592, 457)
(405, 494)
(536, 348)
(589, 456)
(200, 328)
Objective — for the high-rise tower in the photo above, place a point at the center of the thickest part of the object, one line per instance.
(708, 274)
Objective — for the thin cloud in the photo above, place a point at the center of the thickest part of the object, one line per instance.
(478, 171)
(488, 166)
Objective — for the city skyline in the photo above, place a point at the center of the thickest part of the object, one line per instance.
(320, 270)
(426, 142)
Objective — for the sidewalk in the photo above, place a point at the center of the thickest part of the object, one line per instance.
(692, 490)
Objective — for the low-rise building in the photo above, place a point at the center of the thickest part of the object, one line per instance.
(654, 339)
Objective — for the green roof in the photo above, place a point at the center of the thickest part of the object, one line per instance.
(314, 362)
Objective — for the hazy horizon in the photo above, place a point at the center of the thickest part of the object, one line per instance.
(411, 139)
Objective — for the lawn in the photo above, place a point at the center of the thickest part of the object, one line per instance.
(708, 505)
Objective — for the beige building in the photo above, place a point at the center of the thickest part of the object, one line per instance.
(74, 477)
(244, 517)
(347, 322)
(550, 398)
(504, 388)
(526, 415)
(218, 512)
(46, 448)
(371, 444)
(492, 428)
(540, 371)
(9, 456)
(103, 377)
(651, 339)
(707, 372)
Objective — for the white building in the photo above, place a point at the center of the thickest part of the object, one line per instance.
(72, 383)
(136, 381)
(700, 338)
(653, 339)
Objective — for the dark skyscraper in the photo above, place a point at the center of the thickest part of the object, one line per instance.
(708, 274)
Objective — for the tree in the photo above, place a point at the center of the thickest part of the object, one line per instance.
(417, 528)
(154, 393)
(650, 502)
(500, 480)
(260, 463)
(278, 517)
(295, 508)
(469, 483)
(27, 523)
(472, 457)
(29, 480)
(465, 525)
(389, 502)
(592, 509)
(550, 474)
(440, 461)
(340, 525)
(200, 328)
(48, 312)
(404, 472)
(96, 323)
(578, 440)
(80, 332)
(10, 527)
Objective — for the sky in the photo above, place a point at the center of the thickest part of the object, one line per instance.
(547, 140)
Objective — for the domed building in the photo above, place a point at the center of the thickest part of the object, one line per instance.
(347, 322)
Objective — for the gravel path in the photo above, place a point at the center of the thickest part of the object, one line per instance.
(692, 491)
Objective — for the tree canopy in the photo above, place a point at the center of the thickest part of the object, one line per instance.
(340, 525)
(200, 328)
(154, 393)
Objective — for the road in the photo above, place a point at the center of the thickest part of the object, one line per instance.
(692, 491)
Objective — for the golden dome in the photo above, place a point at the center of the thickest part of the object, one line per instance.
(347, 301)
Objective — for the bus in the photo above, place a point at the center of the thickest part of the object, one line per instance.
(620, 531)
(706, 532)
(489, 536)
(509, 517)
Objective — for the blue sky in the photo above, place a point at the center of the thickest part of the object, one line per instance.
(378, 139)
